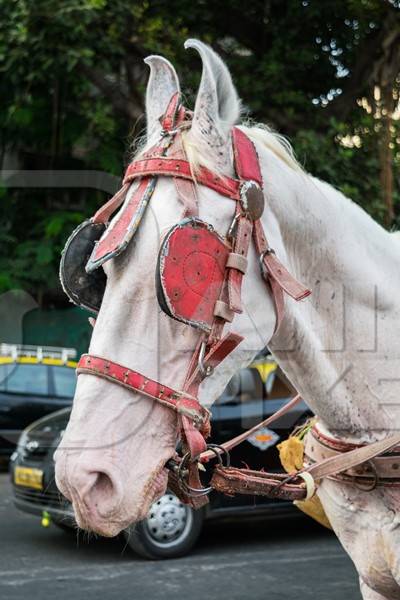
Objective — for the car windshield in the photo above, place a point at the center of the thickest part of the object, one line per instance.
(24, 379)
(64, 379)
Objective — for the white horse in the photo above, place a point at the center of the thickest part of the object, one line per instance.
(340, 348)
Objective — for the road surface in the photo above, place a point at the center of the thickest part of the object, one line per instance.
(255, 560)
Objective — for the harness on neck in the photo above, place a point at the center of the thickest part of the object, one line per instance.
(199, 274)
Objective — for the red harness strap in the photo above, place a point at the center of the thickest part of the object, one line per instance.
(174, 114)
(195, 419)
(181, 168)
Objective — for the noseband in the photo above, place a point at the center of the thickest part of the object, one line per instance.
(199, 274)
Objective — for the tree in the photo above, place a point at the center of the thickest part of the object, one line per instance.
(71, 96)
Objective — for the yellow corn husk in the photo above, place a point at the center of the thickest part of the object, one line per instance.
(314, 509)
(291, 454)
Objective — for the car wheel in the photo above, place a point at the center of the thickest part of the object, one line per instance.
(170, 530)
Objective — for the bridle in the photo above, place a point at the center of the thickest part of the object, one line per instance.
(168, 158)
(96, 242)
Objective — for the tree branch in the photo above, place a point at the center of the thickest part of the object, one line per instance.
(120, 102)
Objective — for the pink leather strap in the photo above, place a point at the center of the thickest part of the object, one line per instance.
(286, 281)
(205, 456)
(348, 460)
(245, 156)
(237, 261)
(104, 213)
(279, 300)
(235, 276)
(276, 275)
(222, 310)
(318, 447)
(275, 268)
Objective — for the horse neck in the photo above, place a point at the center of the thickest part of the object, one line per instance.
(339, 348)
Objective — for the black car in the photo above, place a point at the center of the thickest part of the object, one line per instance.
(171, 528)
(34, 381)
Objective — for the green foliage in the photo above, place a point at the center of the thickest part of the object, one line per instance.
(72, 84)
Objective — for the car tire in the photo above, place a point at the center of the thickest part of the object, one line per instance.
(170, 530)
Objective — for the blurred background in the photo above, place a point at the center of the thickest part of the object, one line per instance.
(325, 74)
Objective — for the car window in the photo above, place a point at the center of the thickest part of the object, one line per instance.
(64, 381)
(280, 387)
(248, 385)
(245, 386)
(24, 379)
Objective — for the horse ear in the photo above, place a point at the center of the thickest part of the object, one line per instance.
(217, 106)
(163, 83)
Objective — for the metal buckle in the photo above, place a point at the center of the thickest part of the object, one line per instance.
(182, 470)
(232, 228)
(205, 370)
(371, 486)
(268, 250)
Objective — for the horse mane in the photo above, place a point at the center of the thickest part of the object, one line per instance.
(271, 140)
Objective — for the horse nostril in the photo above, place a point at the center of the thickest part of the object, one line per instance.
(102, 494)
(103, 484)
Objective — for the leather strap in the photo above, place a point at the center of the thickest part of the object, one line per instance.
(115, 239)
(104, 213)
(194, 417)
(231, 481)
(169, 119)
(222, 310)
(237, 261)
(174, 167)
(235, 276)
(247, 165)
(276, 275)
(275, 269)
(186, 191)
(348, 460)
(185, 188)
(319, 447)
(300, 485)
(281, 275)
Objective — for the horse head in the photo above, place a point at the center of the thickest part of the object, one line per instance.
(111, 461)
